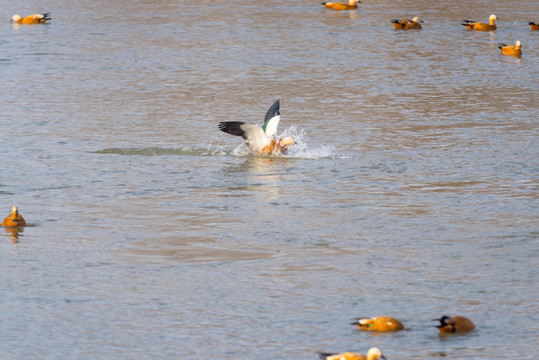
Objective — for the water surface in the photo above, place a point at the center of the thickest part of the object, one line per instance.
(412, 191)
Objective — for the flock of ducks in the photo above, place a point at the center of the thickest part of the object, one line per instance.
(415, 23)
(448, 325)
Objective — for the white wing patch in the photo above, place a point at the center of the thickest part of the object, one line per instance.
(255, 136)
(271, 127)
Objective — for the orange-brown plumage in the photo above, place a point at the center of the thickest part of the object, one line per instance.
(512, 50)
(352, 4)
(533, 26)
(31, 19)
(455, 324)
(407, 24)
(379, 323)
(14, 219)
(277, 146)
(474, 25)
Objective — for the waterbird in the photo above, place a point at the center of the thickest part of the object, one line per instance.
(31, 19)
(513, 50)
(14, 219)
(474, 25)
(352, 4)
(378, 323)
(372, 354)
(454, 324)
(533, 26)
(407, 24)
(261, 139)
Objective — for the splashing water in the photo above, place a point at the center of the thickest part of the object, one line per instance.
(300, 149)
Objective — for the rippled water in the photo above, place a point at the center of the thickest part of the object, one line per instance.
(412, 191)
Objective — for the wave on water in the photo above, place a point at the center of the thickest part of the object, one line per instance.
(158, 151)
(302, 149)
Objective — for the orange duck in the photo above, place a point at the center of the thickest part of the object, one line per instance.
(513, 50)
(379, 323)
(534, 26)
(14, 219)
(31, 19)
(474, 25)
(407, 24)
(352, 4)
(455, 324)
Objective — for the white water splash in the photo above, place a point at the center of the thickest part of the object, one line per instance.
(302, 148)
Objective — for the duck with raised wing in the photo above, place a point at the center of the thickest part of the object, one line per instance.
(352, 4)
(261, 139)
(454, 324)
(373, 354)
(31, 19)
(378, 323)
(407, 24)
(474, 25)
(512, 50)
(14, 219)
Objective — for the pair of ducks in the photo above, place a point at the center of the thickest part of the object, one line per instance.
(448, 325)
(512, 50)
(407, 24)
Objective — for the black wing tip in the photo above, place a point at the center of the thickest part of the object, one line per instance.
(273, 111)
(231, 127)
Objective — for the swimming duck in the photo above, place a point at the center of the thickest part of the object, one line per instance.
(379, 323)
(261, 139)
(534, 26)
(373, 354)
(513, 50)
(454, 324)
(407, 24)
(31, 19)
(14, 219)
(474, 25)
(352, 4)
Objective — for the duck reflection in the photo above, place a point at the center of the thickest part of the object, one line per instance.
(14, 232)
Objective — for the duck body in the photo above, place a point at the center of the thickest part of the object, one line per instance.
(373, 354)
(512, 50)
(407, 24)
(379, 323)
(455, 324)
(474, 25)
(14, 219)
(261, 139)
(534, 26)
(352, 4)
(31, 19)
